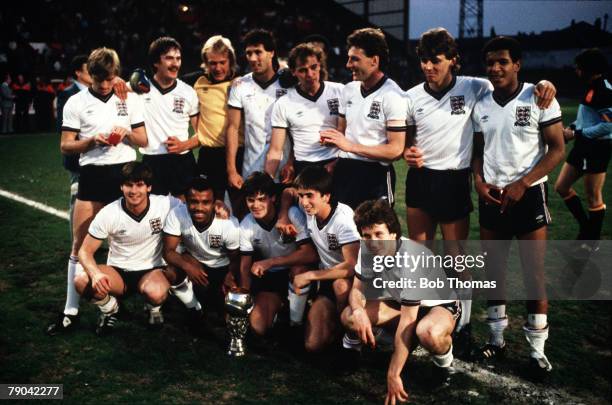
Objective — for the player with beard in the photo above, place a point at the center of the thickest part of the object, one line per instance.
(439, 150)
(132, 225)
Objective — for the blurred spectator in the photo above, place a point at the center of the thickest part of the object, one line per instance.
(8, 100)
(43, 104)
(23, 98)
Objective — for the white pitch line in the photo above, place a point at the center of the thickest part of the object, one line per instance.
(34, 204)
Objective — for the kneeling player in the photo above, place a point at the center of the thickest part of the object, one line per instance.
(429, 323)
(268, 255)
(516, 145)
(333, 232)
(132, 225)
(211, 244)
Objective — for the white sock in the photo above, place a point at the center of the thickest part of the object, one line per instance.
(498, 322)
(72, 296)
(443, 360)
(108, 305)
(184, 292)
(297, 304)
(466, 311)
(536, 333)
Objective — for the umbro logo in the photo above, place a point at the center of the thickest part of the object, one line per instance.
(256, 241)
(121, 232)
(539, 218)
(485, 118)
(89, 112)
(299, 113)
(419, 111)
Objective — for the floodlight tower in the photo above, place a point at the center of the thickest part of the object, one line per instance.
(470, 18)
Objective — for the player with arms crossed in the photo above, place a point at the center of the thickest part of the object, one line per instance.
(210, 260)
(268, 257)
(103, 129)
(307, 109)
(372, 124)
(516, 145)
(590, 156)
(333, 232)
(429, 323)
(132, 225)
(170, 107)
(439, 150)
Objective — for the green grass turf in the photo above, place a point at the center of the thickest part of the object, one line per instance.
(137, 366)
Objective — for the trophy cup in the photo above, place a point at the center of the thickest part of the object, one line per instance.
(238, 305)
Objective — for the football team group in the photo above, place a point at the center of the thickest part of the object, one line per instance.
(293, 171)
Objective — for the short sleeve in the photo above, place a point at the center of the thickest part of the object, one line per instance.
(279, 116)
(136, 109)
(481, 87)
(394, 105)
(231, 234)
(343, 100)
(70, 117)
(476, 120)
(173, 225)
(246, 237)
(234, 100)
(194, 103)
(347, 232)
(298, 219)
(100, 226)
(551, 115)
(410, 111)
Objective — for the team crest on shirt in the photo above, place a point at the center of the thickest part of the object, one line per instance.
(523, 114)
(333, 105)
(374, 110)
(457, 104)
(122, 110)
(215, 241)
(280, 92)
(156, 225)
(332, 242)
(179, 105)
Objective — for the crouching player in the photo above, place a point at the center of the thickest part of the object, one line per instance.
(330, 226)
(267, 256)
(133, 225)
(211, 246)
(516, 145)
(429, 323)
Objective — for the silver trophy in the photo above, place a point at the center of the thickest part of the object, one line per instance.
(238, 305)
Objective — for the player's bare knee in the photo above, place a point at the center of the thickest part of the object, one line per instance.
(81, 281)
(155, 294)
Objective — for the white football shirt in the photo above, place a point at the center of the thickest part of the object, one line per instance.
(367, 113)
(443, 121)
(135, 242)
(167, 113)
(338, 230)
(304, 116)
(256, 100)
(208, 245)
(512, 134)
(266, 242)
(90, 114)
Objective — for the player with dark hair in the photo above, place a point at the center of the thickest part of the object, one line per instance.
(372, 124)
(590, 156)
(132, 225)
(210, 259)
(250, 104)
(516, 145)
(170, 107)
(439, 149)
(102, 128)
(333, 232)
(429, 323)
(82, 80)
(306, 110)
(268, 258)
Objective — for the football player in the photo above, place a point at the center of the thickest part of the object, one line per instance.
(590, 156)
(133, 227)
(516, 145)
